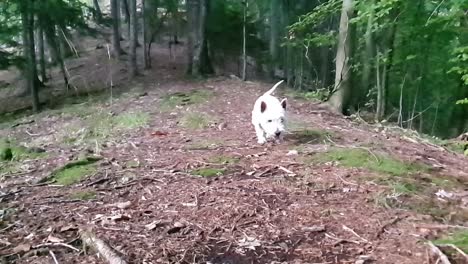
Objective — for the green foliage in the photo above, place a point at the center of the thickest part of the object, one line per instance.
(458, 238)
(83, 195)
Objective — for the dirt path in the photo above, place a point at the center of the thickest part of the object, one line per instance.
(303, 201)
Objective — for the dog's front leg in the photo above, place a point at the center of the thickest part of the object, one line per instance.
(261, 139)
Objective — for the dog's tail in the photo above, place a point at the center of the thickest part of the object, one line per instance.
(274, 88)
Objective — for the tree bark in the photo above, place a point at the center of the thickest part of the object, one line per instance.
(274, 33)
(145, 34)
(199, 61)
(340, 98)
(42, 63)
(27, 19)
(116, 48)
(51, 37)
(98, 12)
(126, 11)
(368, 53)
(244, 43)
(133, 39)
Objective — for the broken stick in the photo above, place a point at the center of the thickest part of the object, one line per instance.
(102, 248)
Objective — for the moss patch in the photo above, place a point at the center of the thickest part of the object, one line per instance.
(208, 172)
(224, 160)
(12, 151)
(360, 158)
(307, 136)
(83, 195)
(73, 172)
(196, 121)
(173, 100)
(131, 120)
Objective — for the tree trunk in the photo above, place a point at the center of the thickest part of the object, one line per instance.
(200, 62)
(244, 43)
(51, 37)
(368, 54)
(97, 11)
(274, 34)
(27, 20)
(146, 33)
(126, 11)
(117, 50)
(42, 63)
(133, 39)
(343, 85)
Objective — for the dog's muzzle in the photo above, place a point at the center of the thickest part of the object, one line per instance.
(278, 134)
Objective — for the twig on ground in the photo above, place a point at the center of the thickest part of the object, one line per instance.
(440, 226)
(347, 182)
(56, 244)
(53, 256)
(102, 248)
(341, 240)
(441, 256)
(234, 225)
(286, 170)
(354, 233)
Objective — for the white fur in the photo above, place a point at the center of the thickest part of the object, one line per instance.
(271, 123)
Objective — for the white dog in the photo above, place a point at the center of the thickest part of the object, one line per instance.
(269, 116)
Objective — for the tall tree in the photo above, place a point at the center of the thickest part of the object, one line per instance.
(27, 20)
(97, 11)
(343, 83)
(117, 50)
(41, 49)
(199, 62)
(274, 19)
(133, 38)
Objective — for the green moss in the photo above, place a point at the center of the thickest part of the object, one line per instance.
(360, 158)
(83, 195)
(306, 136)
(224, 160)
(12, 151)
(208, 172)
(131, 120)
(459, 239)
(173, 100)
(73, 172)
(195, 121)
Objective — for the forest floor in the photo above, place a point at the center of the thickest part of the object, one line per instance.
(169, 171)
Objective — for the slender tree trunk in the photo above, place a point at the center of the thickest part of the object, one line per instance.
(133, 39)
(51, 37)
(27, 19)
(244, 43)
(146, 33)
(343, 84)
(274, 34)
(126, 11)
(98, 12)
(200, 63)
(42, 63)
(117, 50)
(368, 53)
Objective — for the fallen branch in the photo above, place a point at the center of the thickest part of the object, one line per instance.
(461, 252)
(81, 162)
(53, 256)
(354, 233)
(102, 248)
(442, 257)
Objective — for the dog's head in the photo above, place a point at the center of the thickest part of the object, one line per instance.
(272, 116)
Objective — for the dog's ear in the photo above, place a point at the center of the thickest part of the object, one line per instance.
(262, 107)
(283, 103)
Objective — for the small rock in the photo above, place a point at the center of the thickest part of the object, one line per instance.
(292, 153)
(124, 205)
